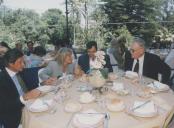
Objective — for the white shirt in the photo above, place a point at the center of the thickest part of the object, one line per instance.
(12, 75)
(141, 62)
(92, 62)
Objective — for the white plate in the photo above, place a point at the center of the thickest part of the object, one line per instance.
(73, 107)
(88, 119)
(150, 114)
(87, 101)
(116, 109)
(46, 88)
(131, 75)
(40, 106)
(158, 87)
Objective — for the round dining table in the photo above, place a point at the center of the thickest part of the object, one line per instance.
(57, 117)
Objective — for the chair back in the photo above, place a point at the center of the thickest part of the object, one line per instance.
(30, 77)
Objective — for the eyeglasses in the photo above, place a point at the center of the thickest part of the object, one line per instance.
(134, 50)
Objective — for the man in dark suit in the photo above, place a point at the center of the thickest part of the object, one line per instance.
(85, 59)
(144, 63)
(12, 92)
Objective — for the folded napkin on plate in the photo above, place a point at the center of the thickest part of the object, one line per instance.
(144, 109)
(117, 86)
(157, 85)
(41, 105)
(88, 119)
(86, 97)
(131, 74)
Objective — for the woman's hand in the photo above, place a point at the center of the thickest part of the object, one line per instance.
(78, 72)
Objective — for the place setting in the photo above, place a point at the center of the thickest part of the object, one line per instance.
(89, 118)
(119, 89)
(40, 105)
(142, 108)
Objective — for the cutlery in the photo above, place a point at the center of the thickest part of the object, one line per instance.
(139, 106)
(57, 90)
(106, 118)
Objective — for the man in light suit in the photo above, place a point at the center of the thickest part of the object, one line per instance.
(12, 93)
(150, 65)
(85, 59)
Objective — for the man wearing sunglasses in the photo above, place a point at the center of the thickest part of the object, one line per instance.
(146, 64)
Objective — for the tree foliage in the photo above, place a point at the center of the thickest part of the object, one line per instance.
(24, 25)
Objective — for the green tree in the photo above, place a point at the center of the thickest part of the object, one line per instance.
(55, 21)
(138, 16)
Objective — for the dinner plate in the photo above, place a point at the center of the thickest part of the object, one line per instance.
(115, 109)
(73, 107)
(86, 97)
(89, 100)
(139, 114)
(158, 87)
(88, 119)
(40, 106)
(131, 75)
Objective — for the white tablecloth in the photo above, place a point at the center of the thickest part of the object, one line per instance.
(60, 119)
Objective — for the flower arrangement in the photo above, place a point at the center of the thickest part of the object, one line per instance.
(98, 73)
(99, 61)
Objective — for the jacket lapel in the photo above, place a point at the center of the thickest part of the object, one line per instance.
(87, 62)
(145, 64)
(10, 82)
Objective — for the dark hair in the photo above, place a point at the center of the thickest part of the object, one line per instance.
(39, 50)
(4, 44)
(12, 55)
(29, 42)
(90, 44)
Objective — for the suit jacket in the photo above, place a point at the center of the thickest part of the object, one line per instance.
(10, 104)
(83, 62)
(152, 66)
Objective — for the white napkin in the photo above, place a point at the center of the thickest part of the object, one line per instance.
(88, 118)
(131, 74)
(40, 105)
(86, 97)
(157, 85)
(117, 86)
(145, 109)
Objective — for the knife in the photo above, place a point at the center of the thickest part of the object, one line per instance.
(141, 105)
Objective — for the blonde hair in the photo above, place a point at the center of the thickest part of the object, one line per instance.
(61, 54)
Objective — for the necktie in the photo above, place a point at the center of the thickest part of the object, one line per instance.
(136, 68)
(21, 82)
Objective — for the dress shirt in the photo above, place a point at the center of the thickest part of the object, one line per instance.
(92, 62)
(141, 61)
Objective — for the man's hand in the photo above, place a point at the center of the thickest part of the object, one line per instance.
(50, 81)
(32, 94)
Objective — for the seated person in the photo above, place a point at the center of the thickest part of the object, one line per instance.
(30, 48)
(63, 64)
(170, 59)
(13, 92)
(86, 59)
(35, 58)
(118, 50)
(144, 63)
(3, 50)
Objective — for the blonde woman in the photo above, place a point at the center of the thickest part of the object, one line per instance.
(63, 64)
